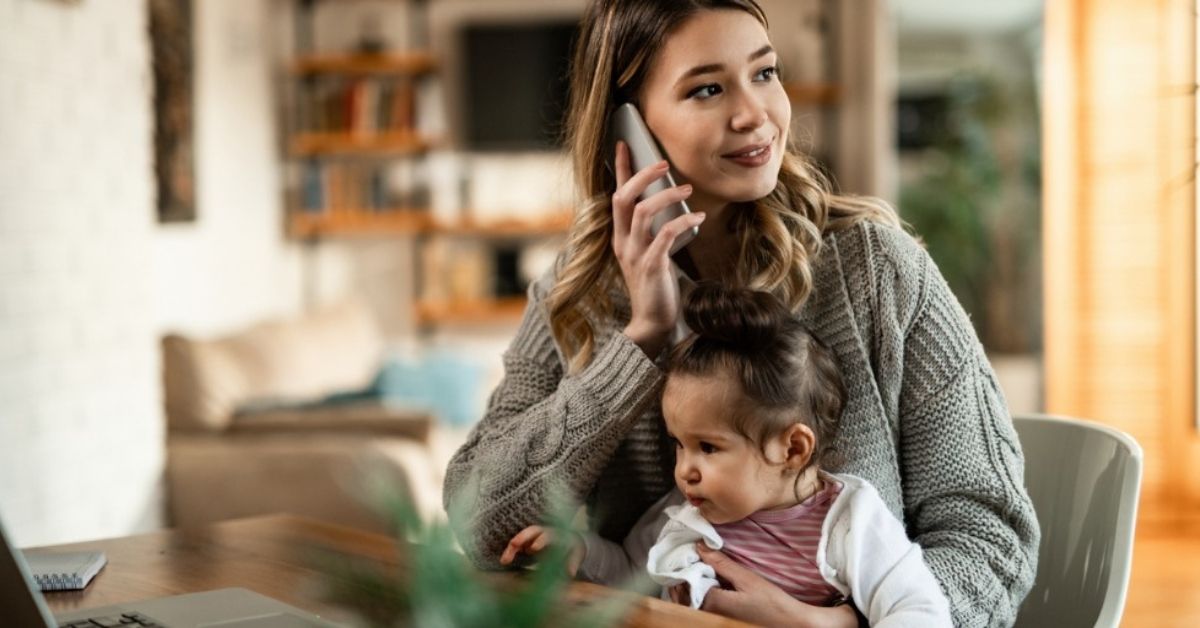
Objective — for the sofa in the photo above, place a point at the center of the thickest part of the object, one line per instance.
(281, 417)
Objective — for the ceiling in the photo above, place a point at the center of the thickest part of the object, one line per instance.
(973, 15)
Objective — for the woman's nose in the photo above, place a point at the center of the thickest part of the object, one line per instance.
(750, 114)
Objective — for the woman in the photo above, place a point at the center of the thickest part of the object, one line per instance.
(925, 422)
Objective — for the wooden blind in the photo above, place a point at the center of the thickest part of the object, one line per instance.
(1119, 229)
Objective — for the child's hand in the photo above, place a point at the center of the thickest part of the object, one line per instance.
(754, 599)
(534, 539)
(681, 594)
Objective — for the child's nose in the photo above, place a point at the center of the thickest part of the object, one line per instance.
(687, 473)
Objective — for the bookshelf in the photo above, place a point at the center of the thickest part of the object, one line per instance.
(358, 165)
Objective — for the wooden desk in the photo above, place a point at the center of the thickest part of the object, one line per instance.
(270, 555)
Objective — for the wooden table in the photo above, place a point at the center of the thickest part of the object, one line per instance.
(271, 555)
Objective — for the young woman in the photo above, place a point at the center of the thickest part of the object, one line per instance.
(925, 422)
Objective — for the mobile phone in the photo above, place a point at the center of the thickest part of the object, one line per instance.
(628, 126)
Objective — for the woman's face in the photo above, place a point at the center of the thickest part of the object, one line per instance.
(712, 96)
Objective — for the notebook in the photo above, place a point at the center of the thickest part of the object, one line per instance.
(60, 571)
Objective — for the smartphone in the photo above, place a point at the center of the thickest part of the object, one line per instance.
(627, 126)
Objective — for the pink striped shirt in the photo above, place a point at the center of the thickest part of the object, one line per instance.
(781, 545)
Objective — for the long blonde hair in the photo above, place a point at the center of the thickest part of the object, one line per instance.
(779, 238)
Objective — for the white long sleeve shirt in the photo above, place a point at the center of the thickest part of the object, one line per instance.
(864, 553)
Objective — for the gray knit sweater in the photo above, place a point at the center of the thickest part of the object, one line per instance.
(925, 423)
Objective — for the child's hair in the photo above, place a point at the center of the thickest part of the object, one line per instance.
(785, 374)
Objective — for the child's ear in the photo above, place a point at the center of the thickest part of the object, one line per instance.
(800, 441)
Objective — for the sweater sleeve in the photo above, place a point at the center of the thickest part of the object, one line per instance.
(542, 430)
(963, 470)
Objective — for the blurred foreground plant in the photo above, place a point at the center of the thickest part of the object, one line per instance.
(436, 586)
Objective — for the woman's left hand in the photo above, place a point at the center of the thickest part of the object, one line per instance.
(757, 600)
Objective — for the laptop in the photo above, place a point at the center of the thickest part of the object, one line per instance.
(22, 604)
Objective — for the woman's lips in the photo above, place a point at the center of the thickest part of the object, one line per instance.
(753, 159)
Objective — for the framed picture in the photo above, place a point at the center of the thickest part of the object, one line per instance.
(171, 47)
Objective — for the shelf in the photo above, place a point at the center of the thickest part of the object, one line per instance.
(395, 222)
(345, 143)
(553, 225)
(415, 221)
(499, 310)
(405, 64)
(813, 93)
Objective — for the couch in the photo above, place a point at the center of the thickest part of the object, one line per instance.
(281, 417)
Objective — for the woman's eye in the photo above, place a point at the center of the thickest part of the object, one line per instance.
(707, 447)
(705, 91)
(771, 72)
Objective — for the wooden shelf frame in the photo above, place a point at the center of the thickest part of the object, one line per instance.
(412, 221)
(346, 143)
(388, 63)
(475, 311)
(823, 94)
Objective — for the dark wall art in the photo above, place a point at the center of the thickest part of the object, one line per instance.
(171, 46)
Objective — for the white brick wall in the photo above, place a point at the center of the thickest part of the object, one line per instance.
(233, 266)
(80, 421)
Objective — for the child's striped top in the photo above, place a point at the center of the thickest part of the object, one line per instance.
(781, 545)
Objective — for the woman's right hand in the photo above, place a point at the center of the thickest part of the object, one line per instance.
(645, 259)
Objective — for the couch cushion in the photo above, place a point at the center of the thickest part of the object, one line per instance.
(295, 360)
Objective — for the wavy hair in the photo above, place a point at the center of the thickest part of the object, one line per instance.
(778, 239)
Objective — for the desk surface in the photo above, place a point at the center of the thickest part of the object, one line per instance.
(269, 555)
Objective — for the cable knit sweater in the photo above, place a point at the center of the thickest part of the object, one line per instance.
(925, 423)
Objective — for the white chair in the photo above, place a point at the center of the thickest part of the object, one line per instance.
(1084, 480)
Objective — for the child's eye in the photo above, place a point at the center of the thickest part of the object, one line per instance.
(770, 71)
(707, 448)
(678, 445)
(704, 89)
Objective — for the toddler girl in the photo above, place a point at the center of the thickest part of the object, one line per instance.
(751, 403)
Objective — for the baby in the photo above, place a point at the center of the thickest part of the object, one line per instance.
(751, 404)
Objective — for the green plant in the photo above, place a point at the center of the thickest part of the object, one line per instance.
(435, 585)
(975, 207)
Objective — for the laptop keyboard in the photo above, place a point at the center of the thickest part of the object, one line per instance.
(124, 620)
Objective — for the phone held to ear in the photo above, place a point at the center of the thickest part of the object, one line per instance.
(627, 126)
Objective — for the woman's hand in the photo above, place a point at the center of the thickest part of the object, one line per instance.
(756, 600)
(645, 259)
(534, 539)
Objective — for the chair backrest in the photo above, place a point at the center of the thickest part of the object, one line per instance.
(1084, 480)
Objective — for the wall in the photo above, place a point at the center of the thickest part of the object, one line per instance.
(89, 281)
(233, 265)
(80, 418)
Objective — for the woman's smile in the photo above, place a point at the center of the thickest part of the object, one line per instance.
(752, 156)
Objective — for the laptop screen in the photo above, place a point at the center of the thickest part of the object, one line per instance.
(19, 597)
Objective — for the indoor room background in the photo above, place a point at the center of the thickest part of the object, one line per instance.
(302, 208)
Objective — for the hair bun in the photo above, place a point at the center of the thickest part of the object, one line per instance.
(742, 319)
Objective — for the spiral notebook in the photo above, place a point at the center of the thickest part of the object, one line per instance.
(64, 570)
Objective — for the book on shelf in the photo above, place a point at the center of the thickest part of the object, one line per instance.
(362, 105)
(333, 185)
(64, 571)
